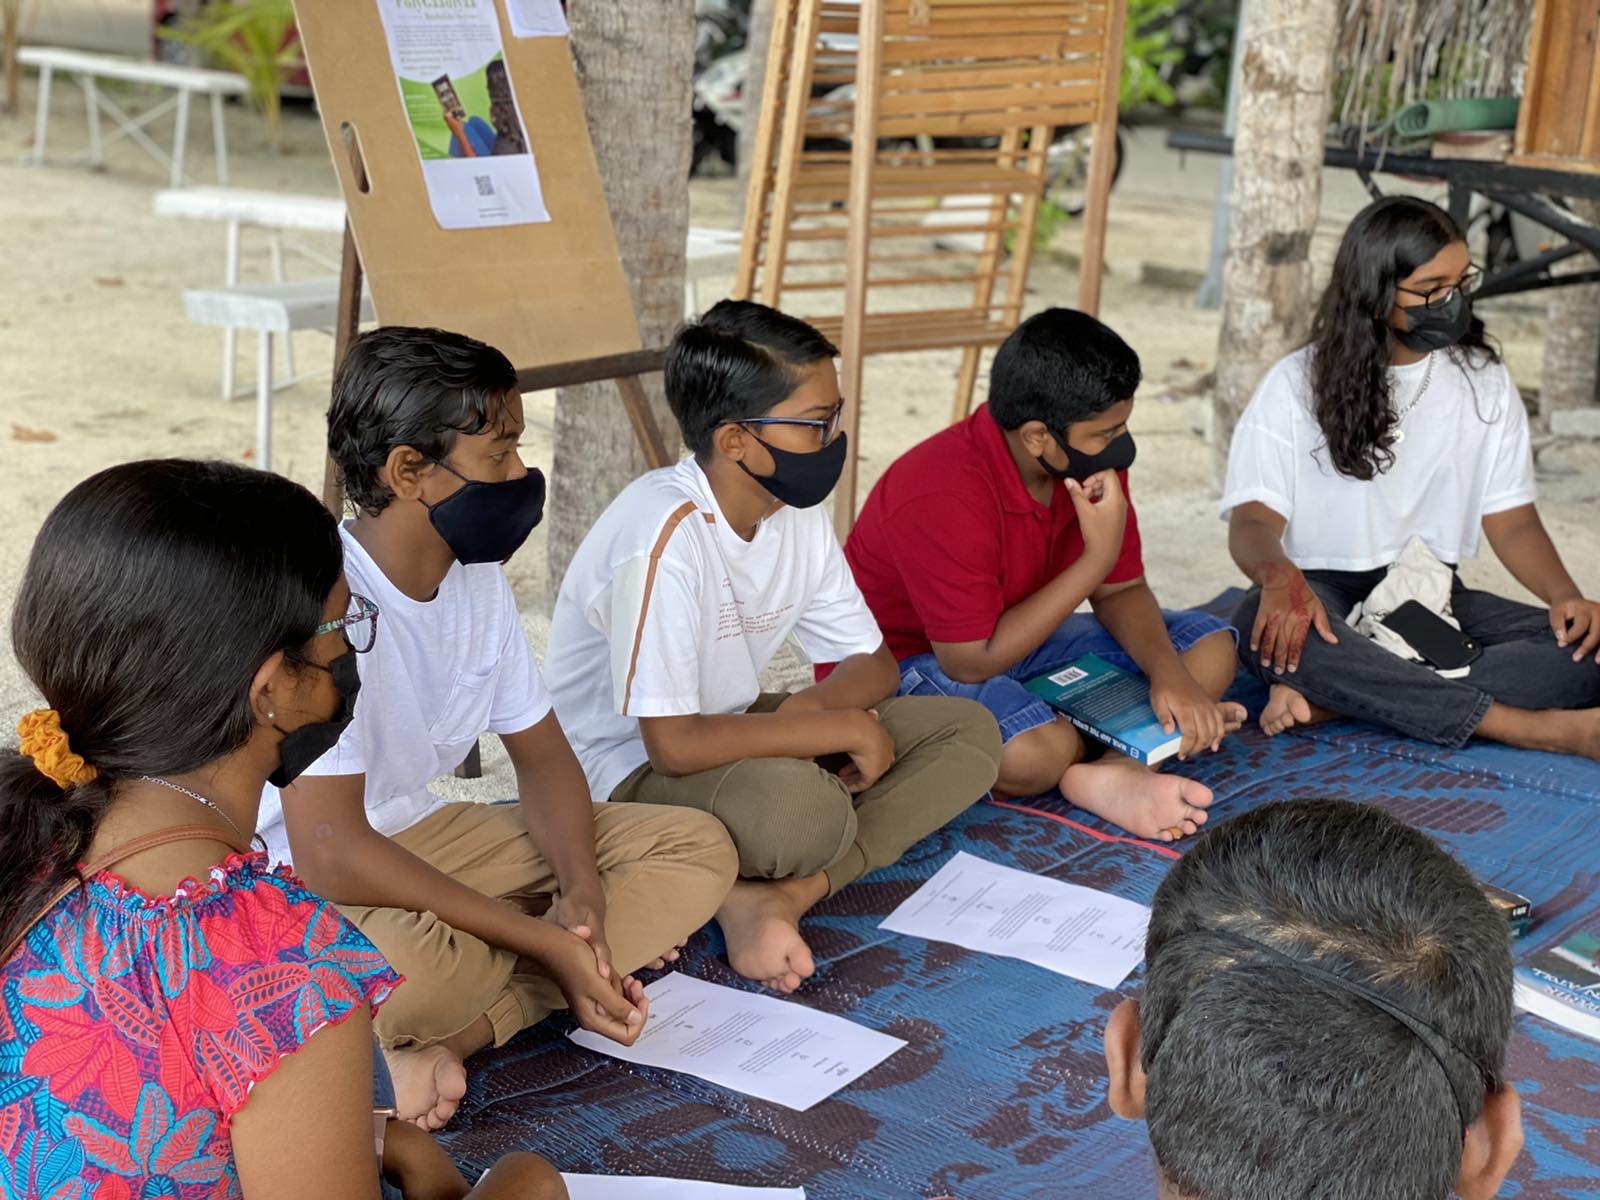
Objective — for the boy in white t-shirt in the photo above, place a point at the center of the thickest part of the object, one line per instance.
(496, 914)
(680, 596)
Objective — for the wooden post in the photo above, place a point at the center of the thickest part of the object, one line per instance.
(1102, 157)
(344, 332)
(791, 144)
(858, 248)
(758, 171)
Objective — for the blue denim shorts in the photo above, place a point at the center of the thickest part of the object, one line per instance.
(1013, 705)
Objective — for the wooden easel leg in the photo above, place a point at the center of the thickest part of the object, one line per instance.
(346, 325)
(966, 381)
(644, 421)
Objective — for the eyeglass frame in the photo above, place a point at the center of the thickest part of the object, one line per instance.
(1469, 282)
(369, 612)
(822, 424)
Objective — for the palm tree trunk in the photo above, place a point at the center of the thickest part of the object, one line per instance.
(634, 64)
(1277, 195)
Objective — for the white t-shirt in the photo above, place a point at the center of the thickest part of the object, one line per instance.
(665, 611)
(442, 672)
(1465, 456)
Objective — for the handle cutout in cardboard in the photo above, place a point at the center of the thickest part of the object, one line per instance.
(358, 162)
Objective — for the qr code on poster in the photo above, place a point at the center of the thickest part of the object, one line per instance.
(1070, 675)
(485, 184)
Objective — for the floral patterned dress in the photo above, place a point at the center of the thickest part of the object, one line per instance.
(133, 1027)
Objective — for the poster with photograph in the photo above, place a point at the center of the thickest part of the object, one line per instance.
(469, 132)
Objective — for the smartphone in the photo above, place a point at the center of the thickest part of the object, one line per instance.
(1440, 643)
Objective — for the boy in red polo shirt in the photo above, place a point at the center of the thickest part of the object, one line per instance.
(977, 547)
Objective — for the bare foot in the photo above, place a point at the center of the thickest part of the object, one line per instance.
(1146, 803)
(761, 921)
(1287, 708)
(428, 1084)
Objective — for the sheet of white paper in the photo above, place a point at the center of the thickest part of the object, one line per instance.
(450, 68)
(1071, 930)
(764, 1047)
(653, 1187)
(537, 18)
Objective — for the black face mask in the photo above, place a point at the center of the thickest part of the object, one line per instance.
(488, 522)
(1118, 456)
(302, 747)
(802, 480)
(1432, 329)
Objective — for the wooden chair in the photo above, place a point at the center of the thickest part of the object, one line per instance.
(963, 98)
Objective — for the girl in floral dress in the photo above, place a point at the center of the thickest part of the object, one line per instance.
(178, 1019)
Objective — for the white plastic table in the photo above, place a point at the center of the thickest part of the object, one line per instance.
(278, 212)
(184, 82)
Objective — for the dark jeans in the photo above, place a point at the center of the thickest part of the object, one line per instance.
(1521, 664)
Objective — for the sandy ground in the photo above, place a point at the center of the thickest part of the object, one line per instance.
(98, 364)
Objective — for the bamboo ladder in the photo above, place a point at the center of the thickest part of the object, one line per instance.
(831, 217)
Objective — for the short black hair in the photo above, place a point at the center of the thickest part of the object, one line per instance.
(1060, 366)
(1263, 1080)
(737, 361)
(405, 386)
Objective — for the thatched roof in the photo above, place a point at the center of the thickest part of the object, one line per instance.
(1391, 53)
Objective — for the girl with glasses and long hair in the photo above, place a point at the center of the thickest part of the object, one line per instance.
(178, 1018)
(1398, 420)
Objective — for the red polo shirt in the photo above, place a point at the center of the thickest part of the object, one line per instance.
(950, 539)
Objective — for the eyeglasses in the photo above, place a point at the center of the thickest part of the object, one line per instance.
(360, 624)
(1440, 296)
(829, 425)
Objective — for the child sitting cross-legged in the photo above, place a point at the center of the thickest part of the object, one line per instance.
(977, 548)
(681, 595)
(496, 914)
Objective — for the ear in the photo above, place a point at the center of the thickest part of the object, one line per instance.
(268, 687)
(1036, 438)
(1491, 1147)
(1123, 1068)
(730, 441)
(403, 471)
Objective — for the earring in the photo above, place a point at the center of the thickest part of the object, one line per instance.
(272, 716)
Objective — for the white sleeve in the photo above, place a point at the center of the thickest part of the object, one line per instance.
(521, 699)
(1261, 458)
(837, 623)
(652, 621)
(1510, 482)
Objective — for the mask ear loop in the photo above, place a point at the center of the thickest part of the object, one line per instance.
(1435, 1042)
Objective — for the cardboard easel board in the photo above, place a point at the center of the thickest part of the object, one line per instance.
(542, 293)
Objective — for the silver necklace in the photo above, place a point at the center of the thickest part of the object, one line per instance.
(1427, 378)
(211, 804)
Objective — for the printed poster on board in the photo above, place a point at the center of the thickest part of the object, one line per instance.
(476, 159)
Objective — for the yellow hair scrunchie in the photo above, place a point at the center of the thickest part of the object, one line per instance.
(44, 741)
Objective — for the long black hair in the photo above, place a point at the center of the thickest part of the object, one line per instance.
(154, 592)
(1350, 338)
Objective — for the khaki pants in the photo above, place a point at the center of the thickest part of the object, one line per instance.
(664, 875)
(792, 817)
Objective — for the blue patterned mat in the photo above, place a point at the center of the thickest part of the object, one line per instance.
(1000, 1094)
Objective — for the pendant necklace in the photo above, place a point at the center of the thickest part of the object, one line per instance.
(1427, 378)
(211, 804)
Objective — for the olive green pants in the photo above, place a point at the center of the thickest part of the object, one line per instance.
(791, 817)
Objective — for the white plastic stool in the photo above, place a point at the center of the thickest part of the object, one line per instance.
(269, 309)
